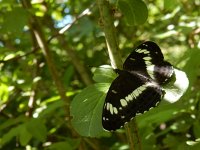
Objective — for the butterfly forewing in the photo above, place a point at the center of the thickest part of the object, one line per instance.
(144, 55)
(148, 59)
(128, 95)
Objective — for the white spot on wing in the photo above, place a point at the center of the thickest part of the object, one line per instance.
(142, 51)
(107, 106)
(142, 88)
(113, 91)
(132, 59)
(150, 68)
(111, 109)
(115, 110)
(137, 50)
(122, 117)
(133, 95)
(146, 52)
(129, 98)
(145, 45)
(147, 58)
(123, 102)
(148, 63)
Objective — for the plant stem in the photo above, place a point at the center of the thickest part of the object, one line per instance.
(116, 62)
(110, 34)
(133, 135)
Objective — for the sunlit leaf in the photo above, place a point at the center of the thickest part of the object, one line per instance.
(86, 110)
(104, 74)
(134, 11)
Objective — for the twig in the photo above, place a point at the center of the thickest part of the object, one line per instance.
(32, 98)
(68, 26)
(132, 135)
(129, 135)
(42, 42)
(20, 56)
(110, 34)
(191, 38)
(136, 134)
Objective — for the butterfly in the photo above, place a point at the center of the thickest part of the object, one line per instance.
(138, 86)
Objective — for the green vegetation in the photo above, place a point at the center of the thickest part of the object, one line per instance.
(51, 57)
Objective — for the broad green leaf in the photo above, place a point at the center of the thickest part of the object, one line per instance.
(10, 135)
(193, 62)
(18, 15)
(37, 129)
(24, 135)
(134, 11)
(86, 110)
(104, 74)
(159, 114)
(170, 4)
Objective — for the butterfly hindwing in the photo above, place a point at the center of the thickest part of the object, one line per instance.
(128, 95)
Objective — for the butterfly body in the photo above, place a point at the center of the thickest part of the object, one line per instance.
(138, 86)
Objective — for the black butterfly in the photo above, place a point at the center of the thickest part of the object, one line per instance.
(138, 86)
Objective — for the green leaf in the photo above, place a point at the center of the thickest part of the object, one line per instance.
(3, 93)
(170, 4)
(196, 129)
(86, 109)
(104, 74)
(60, 146)
(68, 75)
(193, 62)
(171, 140)
(10, 134)
(18, 15)
(51, 108)
(158, 115)
(134, 11)
(24, 135)
(70, 144)
(83, 28)
(37, 129)
(11, 122)
(180, 126)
